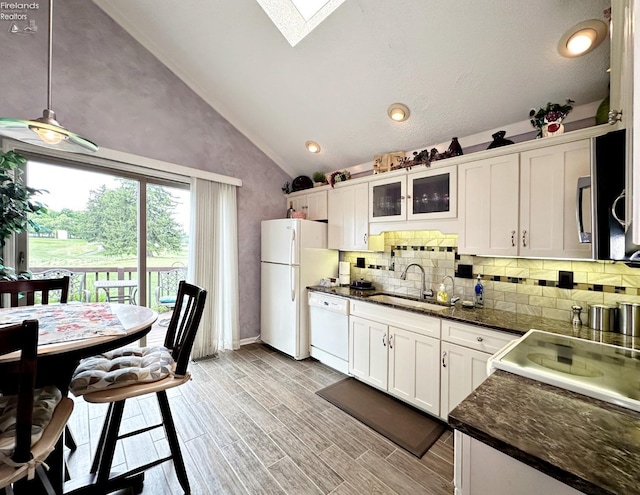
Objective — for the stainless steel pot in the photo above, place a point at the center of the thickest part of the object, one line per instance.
(629, 319)
(602, 317)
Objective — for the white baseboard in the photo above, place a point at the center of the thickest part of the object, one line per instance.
(249, 340)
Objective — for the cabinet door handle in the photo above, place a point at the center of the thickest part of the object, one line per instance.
(365, 238)
(384, 340)
(524, 238)
(614, 116)
(401, 197)
(444, 355)
(479, 339)
(390, 341)
(513, 238)
(408, 196)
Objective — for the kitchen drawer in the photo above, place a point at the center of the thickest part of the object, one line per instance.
(416, 322)
(475, 337)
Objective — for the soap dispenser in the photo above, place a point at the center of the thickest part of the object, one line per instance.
(479, 292)
(442, 294)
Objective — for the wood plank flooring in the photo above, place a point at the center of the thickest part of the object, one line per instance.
(250, 423)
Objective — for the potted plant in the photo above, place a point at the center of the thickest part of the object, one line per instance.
(548, 120)
(339, 176)
(16, 202)
(319, 179)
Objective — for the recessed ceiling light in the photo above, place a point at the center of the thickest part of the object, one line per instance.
(312, 146)
(398, 112)
(582, 38)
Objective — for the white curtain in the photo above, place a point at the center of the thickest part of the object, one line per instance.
(213, 264)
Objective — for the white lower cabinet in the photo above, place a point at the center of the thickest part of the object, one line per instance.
(368, 351)
(401, 361)
(462, 370)
(413, 369)
(481, 470)
(465, 350)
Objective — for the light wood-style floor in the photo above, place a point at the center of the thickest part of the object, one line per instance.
(250, 423)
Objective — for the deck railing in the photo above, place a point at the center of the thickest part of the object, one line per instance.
(95, 273)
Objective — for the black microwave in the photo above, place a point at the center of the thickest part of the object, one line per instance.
(610, 233)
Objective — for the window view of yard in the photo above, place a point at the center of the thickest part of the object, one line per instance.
(92, 231)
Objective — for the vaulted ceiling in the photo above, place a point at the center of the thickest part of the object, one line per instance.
(461, 66)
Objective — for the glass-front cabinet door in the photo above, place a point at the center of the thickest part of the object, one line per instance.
(387, 200)
(432, 194)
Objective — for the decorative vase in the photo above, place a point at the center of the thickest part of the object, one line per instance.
(454, 148)
(552, 128)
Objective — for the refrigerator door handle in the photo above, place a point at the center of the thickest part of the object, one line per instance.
(292, 272)
(292, 246)
(583, 183)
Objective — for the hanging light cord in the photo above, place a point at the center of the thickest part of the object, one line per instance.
(50, 54)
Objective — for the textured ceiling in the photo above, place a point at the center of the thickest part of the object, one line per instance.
(462, 67)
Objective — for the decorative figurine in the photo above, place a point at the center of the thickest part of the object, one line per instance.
(499, 140)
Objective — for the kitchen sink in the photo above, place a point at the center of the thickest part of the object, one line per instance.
(410, 303)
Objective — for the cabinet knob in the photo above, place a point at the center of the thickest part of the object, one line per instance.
(401, 197)
(479, 339)
(408, 196)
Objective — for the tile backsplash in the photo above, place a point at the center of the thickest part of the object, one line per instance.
(519, 285)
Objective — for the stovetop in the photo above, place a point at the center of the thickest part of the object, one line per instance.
(602, 371)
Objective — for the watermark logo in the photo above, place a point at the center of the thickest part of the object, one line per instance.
(18, 16)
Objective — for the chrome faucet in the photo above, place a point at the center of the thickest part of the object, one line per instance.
(453, 297)
(424, 293)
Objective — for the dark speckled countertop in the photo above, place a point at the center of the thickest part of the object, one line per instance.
(586, 443)
(499, 320)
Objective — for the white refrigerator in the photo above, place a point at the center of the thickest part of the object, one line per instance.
(293, 256)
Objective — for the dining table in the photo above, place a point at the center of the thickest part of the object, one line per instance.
(68, 333)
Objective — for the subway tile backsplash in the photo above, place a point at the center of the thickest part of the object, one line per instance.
(526, 286)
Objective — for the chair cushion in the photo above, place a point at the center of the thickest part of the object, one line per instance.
(167, 300)
(120, 368)
(45, 401)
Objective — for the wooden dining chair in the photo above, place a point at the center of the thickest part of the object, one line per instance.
(23, 292)
(108, 378)
(31, 421)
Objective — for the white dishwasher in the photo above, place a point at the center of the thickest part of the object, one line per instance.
(329, 330)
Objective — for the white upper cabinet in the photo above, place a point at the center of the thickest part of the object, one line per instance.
(425, 195)
(348, 225)
(314, 204)
(433, 194)
(488, 216)
(548, 183)
(388, 199)
(524, 204)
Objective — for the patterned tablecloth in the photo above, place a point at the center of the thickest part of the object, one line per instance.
(65, 322)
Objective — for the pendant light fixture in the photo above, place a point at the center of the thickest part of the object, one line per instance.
(46, 131)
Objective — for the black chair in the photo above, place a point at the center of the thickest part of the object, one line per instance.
(23, 293)
(26, 290)
(179, 339)
(30, 415)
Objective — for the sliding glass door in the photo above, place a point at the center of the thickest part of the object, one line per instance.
(112, 232)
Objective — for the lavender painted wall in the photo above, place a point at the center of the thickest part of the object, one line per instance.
(110, 89)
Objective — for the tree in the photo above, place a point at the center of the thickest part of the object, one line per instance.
(16, 200)
(111, 220)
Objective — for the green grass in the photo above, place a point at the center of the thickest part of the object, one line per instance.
(44, 252)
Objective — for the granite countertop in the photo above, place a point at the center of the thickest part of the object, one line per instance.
(500, 320)
(586, 443)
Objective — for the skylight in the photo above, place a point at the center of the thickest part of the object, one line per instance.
(297, 18)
